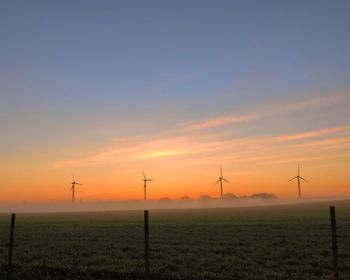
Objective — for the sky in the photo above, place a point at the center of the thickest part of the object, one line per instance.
(103, 90)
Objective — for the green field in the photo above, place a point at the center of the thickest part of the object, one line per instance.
(271, 242)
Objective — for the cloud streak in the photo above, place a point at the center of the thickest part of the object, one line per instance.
(253, 148)
(150, 148)
(196, 139)
(327, 143)
(275, 109)
(311, 134)
(310, 158)
(220, 121)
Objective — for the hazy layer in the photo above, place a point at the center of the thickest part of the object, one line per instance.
(263, 200)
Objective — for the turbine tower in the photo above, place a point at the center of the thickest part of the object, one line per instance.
(74, 183)
(221, 178)
(145, 180)
(298, 178)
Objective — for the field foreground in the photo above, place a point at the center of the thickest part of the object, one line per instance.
(271, 242)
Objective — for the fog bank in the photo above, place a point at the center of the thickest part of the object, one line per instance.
(205, 201)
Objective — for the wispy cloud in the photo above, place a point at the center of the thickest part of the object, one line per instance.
(181, 142)
(274, 109)
(309, 158)
(285, 138)
(219, 121)
(332, 143)
(163, 153)
(311, 134)
(319, 101)
(237, 150)
(150, 148)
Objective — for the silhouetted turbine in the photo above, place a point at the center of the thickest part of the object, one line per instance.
(74, 183)
(298, 177)
(221, 178)
(145, 180)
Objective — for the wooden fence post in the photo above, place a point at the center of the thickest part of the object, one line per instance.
(146, 245)
(334, 243)
(12, 232)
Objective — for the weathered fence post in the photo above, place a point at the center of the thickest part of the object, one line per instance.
(146, 245)
(12, 232)
(334, 243)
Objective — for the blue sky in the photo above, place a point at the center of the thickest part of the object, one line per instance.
(74, 75)
(84, 59)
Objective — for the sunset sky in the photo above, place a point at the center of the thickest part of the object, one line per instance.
(103, 90)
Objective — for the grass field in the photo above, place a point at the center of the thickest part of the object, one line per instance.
(271, 242)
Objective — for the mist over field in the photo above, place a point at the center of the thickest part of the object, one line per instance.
(205, 201)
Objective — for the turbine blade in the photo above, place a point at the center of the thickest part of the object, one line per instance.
(217, 181)
(150, 179)
(225, 180)
(304, 180)
(221, 171)
(144, 176)
(293, 178)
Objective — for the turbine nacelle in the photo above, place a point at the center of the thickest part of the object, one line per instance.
(147, 180)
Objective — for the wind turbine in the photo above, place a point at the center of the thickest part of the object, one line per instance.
(298, 177)
(145, 180)
(221, 178)
(74, 183)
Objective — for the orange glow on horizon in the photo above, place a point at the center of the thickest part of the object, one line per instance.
(186, 163)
